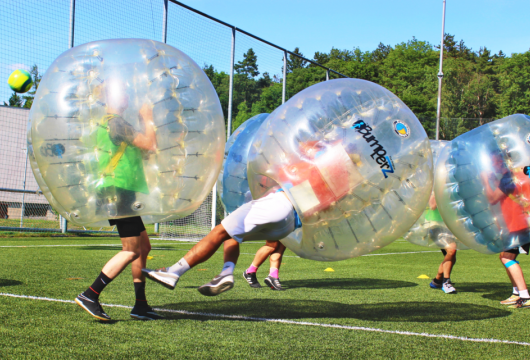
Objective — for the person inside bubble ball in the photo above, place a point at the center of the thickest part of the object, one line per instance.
(509, 191)
(120, 151)
(443, 277)
(270, 218)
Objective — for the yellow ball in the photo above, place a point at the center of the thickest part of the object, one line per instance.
(20, 81)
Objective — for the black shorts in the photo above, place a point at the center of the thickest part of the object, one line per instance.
(517, 250)
(114, 201)
(128, 227)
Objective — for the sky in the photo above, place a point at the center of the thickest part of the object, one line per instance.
(316, 25)
(310, 25)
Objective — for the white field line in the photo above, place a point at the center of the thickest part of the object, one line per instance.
(119, 245)
(290, 322)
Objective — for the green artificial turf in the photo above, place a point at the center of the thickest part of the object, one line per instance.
(378, 292)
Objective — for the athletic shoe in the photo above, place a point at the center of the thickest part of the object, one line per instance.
(435, 285)
(93, 307)
(251, 279)
(448, 288)
(273, 283)
(162, 276)
(145, 312)
(218, 285)
(522, 303)
(511, 300)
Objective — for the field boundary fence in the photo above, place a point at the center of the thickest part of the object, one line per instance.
(212, 43)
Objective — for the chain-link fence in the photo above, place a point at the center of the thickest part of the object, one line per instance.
(35, 33)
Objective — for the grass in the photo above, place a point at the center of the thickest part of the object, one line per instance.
(380, 292)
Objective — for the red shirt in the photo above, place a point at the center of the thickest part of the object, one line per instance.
(516, 187)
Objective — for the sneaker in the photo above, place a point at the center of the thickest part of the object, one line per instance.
(435, 285)
(511, 300)
(93, 307)
(218, 285)
(521, 303)
(273, 283)
(251, 279)
(145, 312)
(162, 276)
(448, 288)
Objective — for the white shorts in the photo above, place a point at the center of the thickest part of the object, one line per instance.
(268, 218)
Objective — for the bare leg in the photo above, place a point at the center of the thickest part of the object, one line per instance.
(131, 251)
(205, 248)
(449, 261)
(140, 263)
(515, 273)
(264, 252)
(276, 256)
(231, 251)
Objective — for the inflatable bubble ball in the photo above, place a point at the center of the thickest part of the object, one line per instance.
(354, 161)
(122, 128)
(232, 183)
(482, 187)
(430, 229)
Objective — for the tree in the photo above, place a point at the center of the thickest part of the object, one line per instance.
(295, 61)
(249, 65)
(14, 100)
(36, 81)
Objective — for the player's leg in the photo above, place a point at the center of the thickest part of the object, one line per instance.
(515, 273)
(447, 264)
(273, 280)
(141, 309)
(199, 253)
(437, 282)
(89, 299)
(225, 280)
(261, 255)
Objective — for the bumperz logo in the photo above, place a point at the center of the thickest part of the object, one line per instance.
(526, 170)
(379, 155)
(401, 129)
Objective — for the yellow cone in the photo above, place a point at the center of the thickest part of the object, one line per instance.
(329, 269)
(149, 257)
(423, 277)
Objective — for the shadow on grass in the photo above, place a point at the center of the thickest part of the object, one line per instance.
(7, 282)
(112, 248)
(348, 284)
(309, 309)
(491, 291)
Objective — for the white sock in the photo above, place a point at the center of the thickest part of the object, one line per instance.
(180, 267)
(524, 294)
(228, 268)
(515, 290)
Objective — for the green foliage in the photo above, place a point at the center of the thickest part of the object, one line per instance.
(15, 100)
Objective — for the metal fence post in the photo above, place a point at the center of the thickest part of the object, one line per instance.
(72, 25)
(327, 75)
(231, 85)
(23, 205)
(440, 75)
(284, 87)
(164, 40)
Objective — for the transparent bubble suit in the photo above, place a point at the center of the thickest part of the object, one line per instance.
(72, 105)
(496, 153)
(232, 183)
(354, 161)
(430, 230)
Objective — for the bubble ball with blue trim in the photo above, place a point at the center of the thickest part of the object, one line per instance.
(430, 229)
(482, 187)
(353, 160)
(232, 184)
(122, 128)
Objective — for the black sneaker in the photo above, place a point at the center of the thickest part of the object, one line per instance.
(92, 307)
(145, 312)
(273, 283)
(218, 285)
(251, 279)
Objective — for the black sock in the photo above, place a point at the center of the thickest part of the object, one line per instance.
(97, 287)
(446, 280)
(436, 281)
(139, 291)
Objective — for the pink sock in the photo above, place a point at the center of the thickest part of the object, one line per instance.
(274, 273)
(252, 269)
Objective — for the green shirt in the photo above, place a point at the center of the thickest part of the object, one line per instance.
(433, 215)
(120, 163)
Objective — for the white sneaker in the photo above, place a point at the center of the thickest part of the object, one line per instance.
(218, 285)
(162, 276)
(448, 288)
